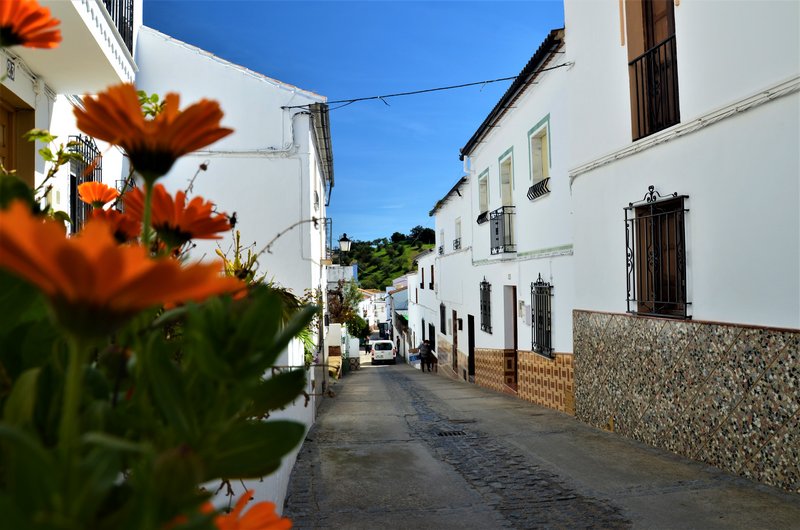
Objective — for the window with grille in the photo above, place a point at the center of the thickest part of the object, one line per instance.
(655, 240)
(442, 317)
(87, 168)
(486, 309)
(541, 318)
(483, 197)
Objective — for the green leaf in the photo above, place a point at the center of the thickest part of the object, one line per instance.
(21, 402)
(166, 386)
(298, 323)
(112, 443)
(277, 392)
(252, 450)
(28, 470)
(62, 216)
(41, 135)
(12, 188)
(47, 154)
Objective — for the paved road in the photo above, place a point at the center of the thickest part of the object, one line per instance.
(400, 449)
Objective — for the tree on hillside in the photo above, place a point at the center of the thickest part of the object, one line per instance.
(426, 235)
(398, 237)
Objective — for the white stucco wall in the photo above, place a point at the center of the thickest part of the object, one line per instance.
(740, 172)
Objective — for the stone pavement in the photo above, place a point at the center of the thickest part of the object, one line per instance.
(400, 449)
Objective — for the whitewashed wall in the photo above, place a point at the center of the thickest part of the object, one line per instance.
(740, 172)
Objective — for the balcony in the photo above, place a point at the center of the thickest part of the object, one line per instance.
(502, 230)
(654, 89)
(96, 51)
(441, 250)
(457, 243)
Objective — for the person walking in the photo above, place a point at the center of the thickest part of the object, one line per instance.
(425, 355)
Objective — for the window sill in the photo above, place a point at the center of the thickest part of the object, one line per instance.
(540, 189)
(483, 217)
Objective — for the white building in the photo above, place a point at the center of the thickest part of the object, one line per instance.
(423, 317)
(40, 89)
(684, 122)
(275, 171)
(504, 244)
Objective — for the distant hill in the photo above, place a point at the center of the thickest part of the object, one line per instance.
(382, 260)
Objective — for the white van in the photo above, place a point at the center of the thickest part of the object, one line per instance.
(383, 351)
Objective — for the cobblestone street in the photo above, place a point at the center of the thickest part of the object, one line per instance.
(400, 449)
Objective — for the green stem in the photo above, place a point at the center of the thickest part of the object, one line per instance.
(148, 195)
(69, 430)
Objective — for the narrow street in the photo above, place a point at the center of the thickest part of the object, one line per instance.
(396, 448)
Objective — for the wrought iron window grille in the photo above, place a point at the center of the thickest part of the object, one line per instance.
(654, 80)
(457, 243)
(542, 319)
(441, 250)
(540, 189)
(502, 232)
(655, 247)
(482, 218)
(88, 168)
(485, 304)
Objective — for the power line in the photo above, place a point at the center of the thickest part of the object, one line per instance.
(346, 102)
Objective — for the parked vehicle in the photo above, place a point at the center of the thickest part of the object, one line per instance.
(383, 351)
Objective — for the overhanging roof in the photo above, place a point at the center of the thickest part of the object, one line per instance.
(546, 50)
(322, 138)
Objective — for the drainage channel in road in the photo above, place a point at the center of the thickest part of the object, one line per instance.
(526, 495)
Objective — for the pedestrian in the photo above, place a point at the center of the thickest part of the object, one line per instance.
(425, 355)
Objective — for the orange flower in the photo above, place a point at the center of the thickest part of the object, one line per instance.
(97, 194)
(25, 22)
(95, 285)
(261, 516)
(174, 220)
(153, 145)
(124, 227)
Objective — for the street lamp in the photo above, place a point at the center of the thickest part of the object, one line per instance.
(344, 246)
(344, 243)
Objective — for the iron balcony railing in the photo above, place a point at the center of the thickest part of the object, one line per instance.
(457, 243)
(121, 12)
(441, 250)
(654, 84)
(502, 232)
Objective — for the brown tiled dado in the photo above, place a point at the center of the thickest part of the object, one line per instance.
(547, 382)
(724, 394)
(490, 369)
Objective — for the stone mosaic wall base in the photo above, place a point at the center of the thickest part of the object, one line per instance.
(548, 382)
(723, 394)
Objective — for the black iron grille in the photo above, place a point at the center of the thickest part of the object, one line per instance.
(87, 168)
(654, 82)
(457, 243)
(539, 189)
(655, 244)
(486, 309)
(541, 321)
(502, 232)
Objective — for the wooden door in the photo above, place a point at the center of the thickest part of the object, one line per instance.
(7, 137)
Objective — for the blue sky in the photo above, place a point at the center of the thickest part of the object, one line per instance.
(391, 163)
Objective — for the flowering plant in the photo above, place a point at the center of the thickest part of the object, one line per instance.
(130, 378)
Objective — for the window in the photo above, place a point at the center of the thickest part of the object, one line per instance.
(423, 329)
(655, 239)
(81, 171)
(507, 177)
(539, 148)
(483, 196)
(502, 231)
(457, 240)
(430, 285)
(541, 322)
(432, 335)
(486, 309)
(442, 317)
(652, 66)
(422, 277)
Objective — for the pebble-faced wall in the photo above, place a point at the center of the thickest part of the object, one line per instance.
(723, 394)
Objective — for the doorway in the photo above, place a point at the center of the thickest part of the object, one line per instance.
(455, 342)
(510, 372)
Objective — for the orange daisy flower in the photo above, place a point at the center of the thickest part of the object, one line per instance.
(27, 23)
(174, 221)
(154, 144)
(94, 284)
(124, 227)
(96, 193)
(261, 516)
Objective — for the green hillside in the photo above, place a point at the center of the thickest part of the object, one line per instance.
(382, 260)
